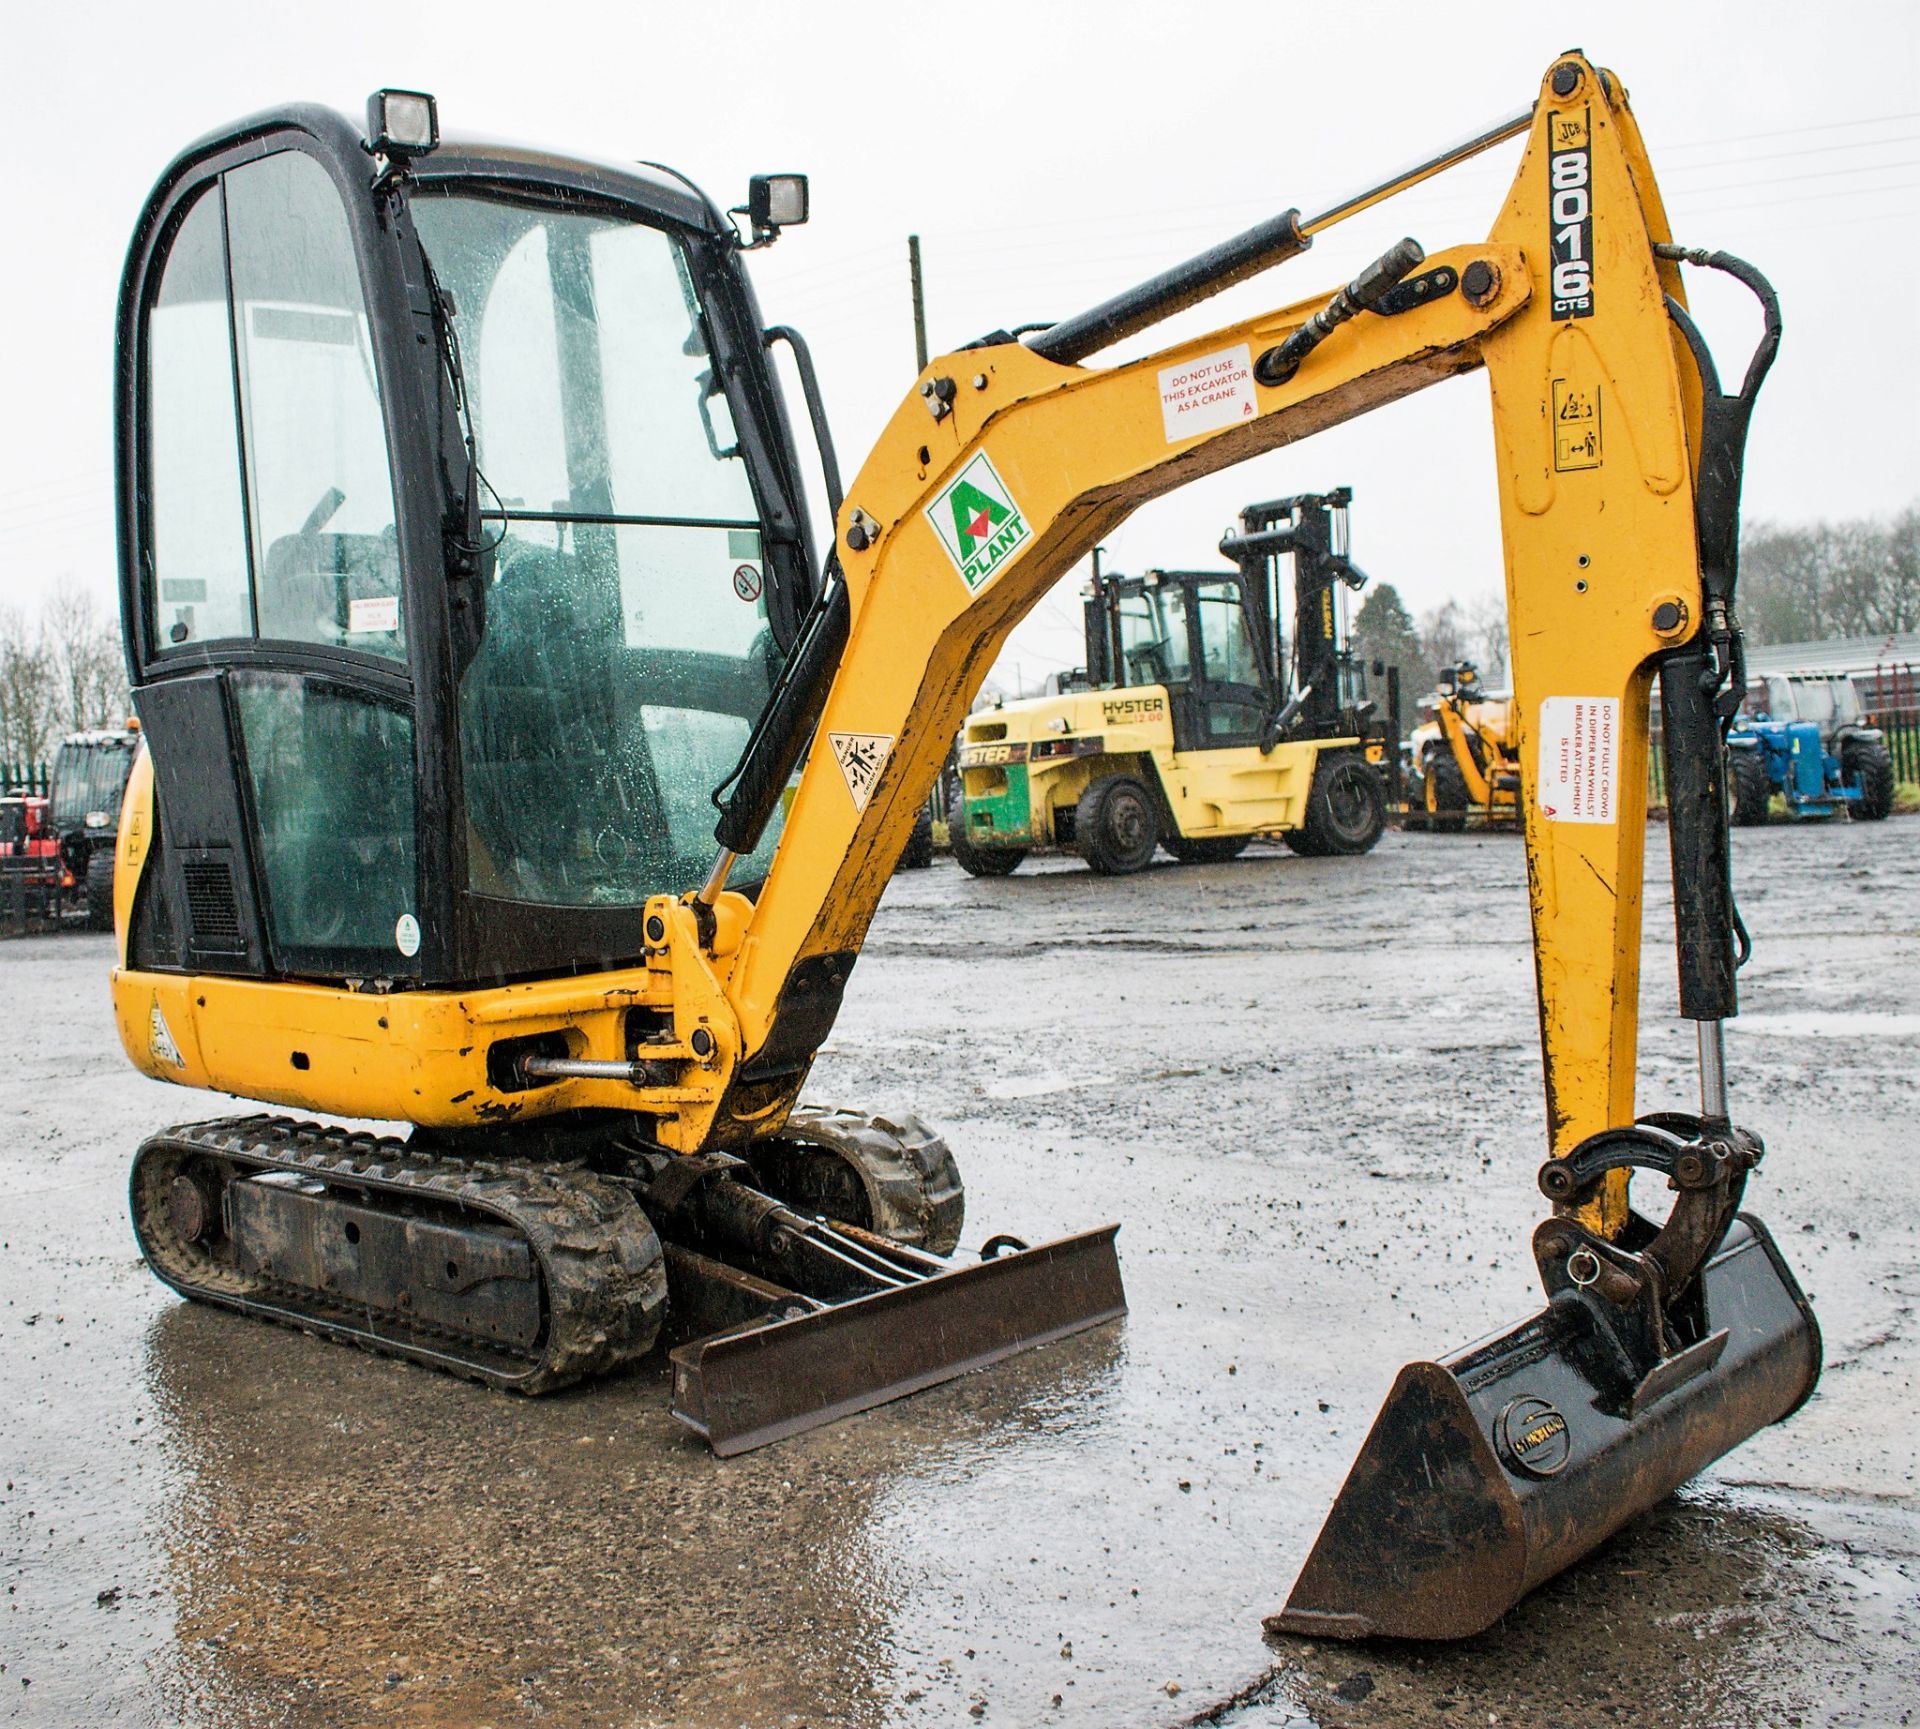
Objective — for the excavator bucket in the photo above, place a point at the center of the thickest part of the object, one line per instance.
(1490, 1470)
(764, 1381)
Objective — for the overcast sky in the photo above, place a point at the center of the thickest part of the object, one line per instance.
(1048, 154)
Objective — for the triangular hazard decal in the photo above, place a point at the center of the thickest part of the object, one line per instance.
(160, 1039)
(861, 756)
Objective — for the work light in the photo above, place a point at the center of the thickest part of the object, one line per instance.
(402, 123)
(774, 202)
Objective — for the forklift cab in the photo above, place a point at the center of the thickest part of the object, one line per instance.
(1202, 636)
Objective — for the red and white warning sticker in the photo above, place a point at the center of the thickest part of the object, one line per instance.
(1207, 393)
(1579, 778)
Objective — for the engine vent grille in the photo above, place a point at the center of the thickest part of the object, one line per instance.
(212, 914)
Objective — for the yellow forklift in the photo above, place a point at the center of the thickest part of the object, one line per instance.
(519, 770)
(1184, 729)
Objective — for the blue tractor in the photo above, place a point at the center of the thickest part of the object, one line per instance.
(1804, 737)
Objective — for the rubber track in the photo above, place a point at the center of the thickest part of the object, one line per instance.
(603, 1275)
(912, 1183)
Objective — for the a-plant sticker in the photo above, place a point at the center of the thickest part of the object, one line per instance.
(978, 522)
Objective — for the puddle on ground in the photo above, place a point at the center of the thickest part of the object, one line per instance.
(1830, 1025)
(1039, 1086)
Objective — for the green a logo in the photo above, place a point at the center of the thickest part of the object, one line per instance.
(978, 522)
(975, 515)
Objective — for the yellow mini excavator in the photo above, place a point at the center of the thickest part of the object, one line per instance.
(465, 575)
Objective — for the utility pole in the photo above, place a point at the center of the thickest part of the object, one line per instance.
(919, 304)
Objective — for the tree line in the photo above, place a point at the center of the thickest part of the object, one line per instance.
(60, 672)
(1801, 582)
(1807, 582)
(1474, 630)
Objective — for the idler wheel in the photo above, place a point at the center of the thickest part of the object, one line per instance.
(193, 1209)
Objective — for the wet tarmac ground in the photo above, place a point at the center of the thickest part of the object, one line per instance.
(1310, 1092)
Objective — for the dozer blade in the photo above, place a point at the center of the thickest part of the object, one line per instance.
(746, 1388)
(1489, 1471)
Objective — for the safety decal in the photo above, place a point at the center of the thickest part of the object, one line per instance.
(373, 613)
(1206, 394)
(861, 756)
(1576, 425)
(746, 582)
(160, 1039)
(1579, 758)
(1570, 200)
(978, 522)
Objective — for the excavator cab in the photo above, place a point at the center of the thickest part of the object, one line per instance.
(387, 751)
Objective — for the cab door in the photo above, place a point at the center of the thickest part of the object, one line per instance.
(1231, 691)
(267, 619)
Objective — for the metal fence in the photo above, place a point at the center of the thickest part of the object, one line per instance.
(1891, 696)
(29, 896)
(35, 779)
(1903, 743)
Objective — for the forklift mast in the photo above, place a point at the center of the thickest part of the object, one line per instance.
(1326, 695)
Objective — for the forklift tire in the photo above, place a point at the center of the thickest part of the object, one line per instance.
(1864, 762)
(1446, 794)
(1206, 849)
(100, 890)
(1346, 810)
(978, 860)
(1116, 825)
(917, 855)
(1752, 787)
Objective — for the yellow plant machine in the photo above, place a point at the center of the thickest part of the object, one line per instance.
(1466, 760)
(1184, 729)
(465, 574)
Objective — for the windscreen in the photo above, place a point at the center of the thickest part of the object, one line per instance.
(627, 650)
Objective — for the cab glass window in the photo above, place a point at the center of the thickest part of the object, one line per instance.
(326, 563)
(627, 650)
(262, 275)
(1225, 641)
(1153, 638)
(197, 552)
(331, 778)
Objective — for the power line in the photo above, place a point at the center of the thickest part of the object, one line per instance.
(1797, 131)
